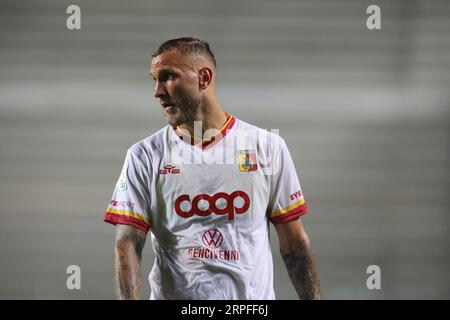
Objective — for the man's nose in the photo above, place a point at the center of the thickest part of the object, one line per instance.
(159, 90)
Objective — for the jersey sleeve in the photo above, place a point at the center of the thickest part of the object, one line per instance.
(130, 202)
(287, 201)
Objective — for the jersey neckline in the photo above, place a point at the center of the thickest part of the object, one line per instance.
(206, 144)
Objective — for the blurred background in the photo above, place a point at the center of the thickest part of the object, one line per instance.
(365, 114)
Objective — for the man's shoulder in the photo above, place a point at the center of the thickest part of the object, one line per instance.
(151, 144)
(262, 134)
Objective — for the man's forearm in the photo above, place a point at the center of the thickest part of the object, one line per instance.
(301, 266)
(127, 271)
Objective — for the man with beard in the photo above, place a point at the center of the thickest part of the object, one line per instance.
(207, 186)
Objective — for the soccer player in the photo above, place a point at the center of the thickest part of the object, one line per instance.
(207, 186)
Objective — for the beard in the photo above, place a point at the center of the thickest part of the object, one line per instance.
(184, 109)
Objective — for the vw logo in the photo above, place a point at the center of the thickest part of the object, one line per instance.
(212, 238)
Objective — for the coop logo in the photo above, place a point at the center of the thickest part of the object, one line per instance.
(169, 169)
(221, 203)
(212, 238)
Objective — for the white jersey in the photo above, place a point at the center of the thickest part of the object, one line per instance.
(208, 207)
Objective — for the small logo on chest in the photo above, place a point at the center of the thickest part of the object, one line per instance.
(212, 238)
(247, 160)
(169, 169)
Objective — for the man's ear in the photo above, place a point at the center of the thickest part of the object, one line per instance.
(205, 77)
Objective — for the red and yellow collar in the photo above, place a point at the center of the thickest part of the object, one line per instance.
(229, 123)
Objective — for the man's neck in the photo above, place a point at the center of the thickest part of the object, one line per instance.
(207, 123)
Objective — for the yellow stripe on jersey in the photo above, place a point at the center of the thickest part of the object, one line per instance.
(230, 117)
(288, 208)
(128, 213)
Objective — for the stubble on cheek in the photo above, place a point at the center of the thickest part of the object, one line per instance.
(185, 109)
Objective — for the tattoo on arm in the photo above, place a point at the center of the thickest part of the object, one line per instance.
(127, 261)
(302, 269)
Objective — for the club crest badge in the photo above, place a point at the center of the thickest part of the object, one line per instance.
(247, 160)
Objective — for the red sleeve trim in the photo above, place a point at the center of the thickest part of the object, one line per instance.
(120, 219)
(290, 215)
